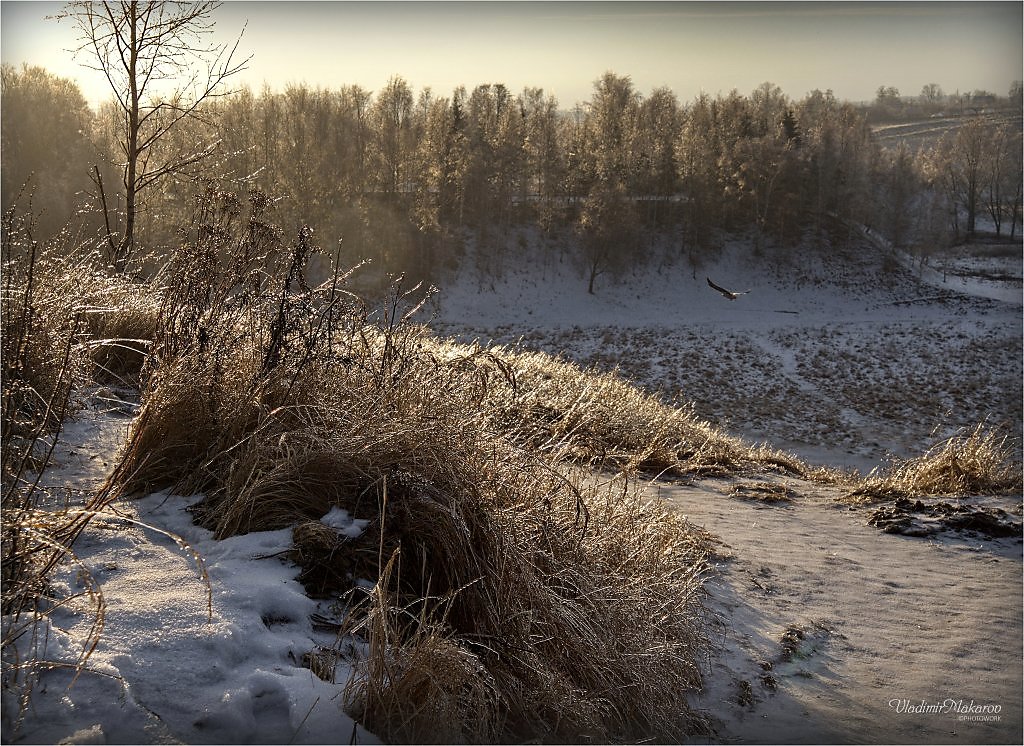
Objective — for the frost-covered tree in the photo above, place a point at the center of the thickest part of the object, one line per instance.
(931, 93)
(607, 229)
(657, 173)
(391, 114)
(1001, 192)
(45, 143)
(966, 166)
(898, 188)
(544, 157)
(955, 166)
(611, 121)
(698, 157)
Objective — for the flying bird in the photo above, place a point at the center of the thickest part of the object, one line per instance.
(731, 295)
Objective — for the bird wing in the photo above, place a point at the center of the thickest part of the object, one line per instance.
(730, 294)
(717, 287)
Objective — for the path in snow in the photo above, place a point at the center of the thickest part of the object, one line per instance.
(884, 619)
(168, 668)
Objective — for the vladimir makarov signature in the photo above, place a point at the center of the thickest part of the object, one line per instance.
(946, 706)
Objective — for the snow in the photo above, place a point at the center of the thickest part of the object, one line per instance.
(180, 661)
(844, 365)
(885, 618)
(998, 278)
(785, 284)
(827, 356)
(340, 520)
(204, 640)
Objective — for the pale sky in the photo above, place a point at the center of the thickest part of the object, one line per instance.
(563, 47)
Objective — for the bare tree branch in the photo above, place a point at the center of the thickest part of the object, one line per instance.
(139, 46)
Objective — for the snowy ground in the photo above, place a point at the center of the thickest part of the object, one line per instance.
(839, 362)
(831, 631)
(829, 628)
(180, 660)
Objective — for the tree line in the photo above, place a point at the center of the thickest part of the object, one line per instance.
(411, 179)
(890, 106)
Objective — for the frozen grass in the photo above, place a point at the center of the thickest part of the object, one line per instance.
(514, 598)
(975, 461)
(602, 420)
(863, 390)
(40, 368)
(121, 327)
(56, 301)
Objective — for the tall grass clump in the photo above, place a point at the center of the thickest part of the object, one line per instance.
(600, 419)
(513, 598)
(973, 461)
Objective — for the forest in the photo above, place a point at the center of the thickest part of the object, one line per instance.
(410, 180)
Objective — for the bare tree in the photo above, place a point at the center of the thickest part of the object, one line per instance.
(896, 189)
(931, 93)
(1001, 189)
(161, 66)
(392, 116)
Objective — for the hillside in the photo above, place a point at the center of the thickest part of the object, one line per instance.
(465, 495)
(919, 135)
(845, 359)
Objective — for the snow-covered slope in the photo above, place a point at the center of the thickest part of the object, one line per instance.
(781, 284)
(845, 359)
(844, 364)
(834, 632)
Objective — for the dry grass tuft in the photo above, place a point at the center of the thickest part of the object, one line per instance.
(974, 461)
(122, 321)
(419, 684)
(602, 420)
(515, 598)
